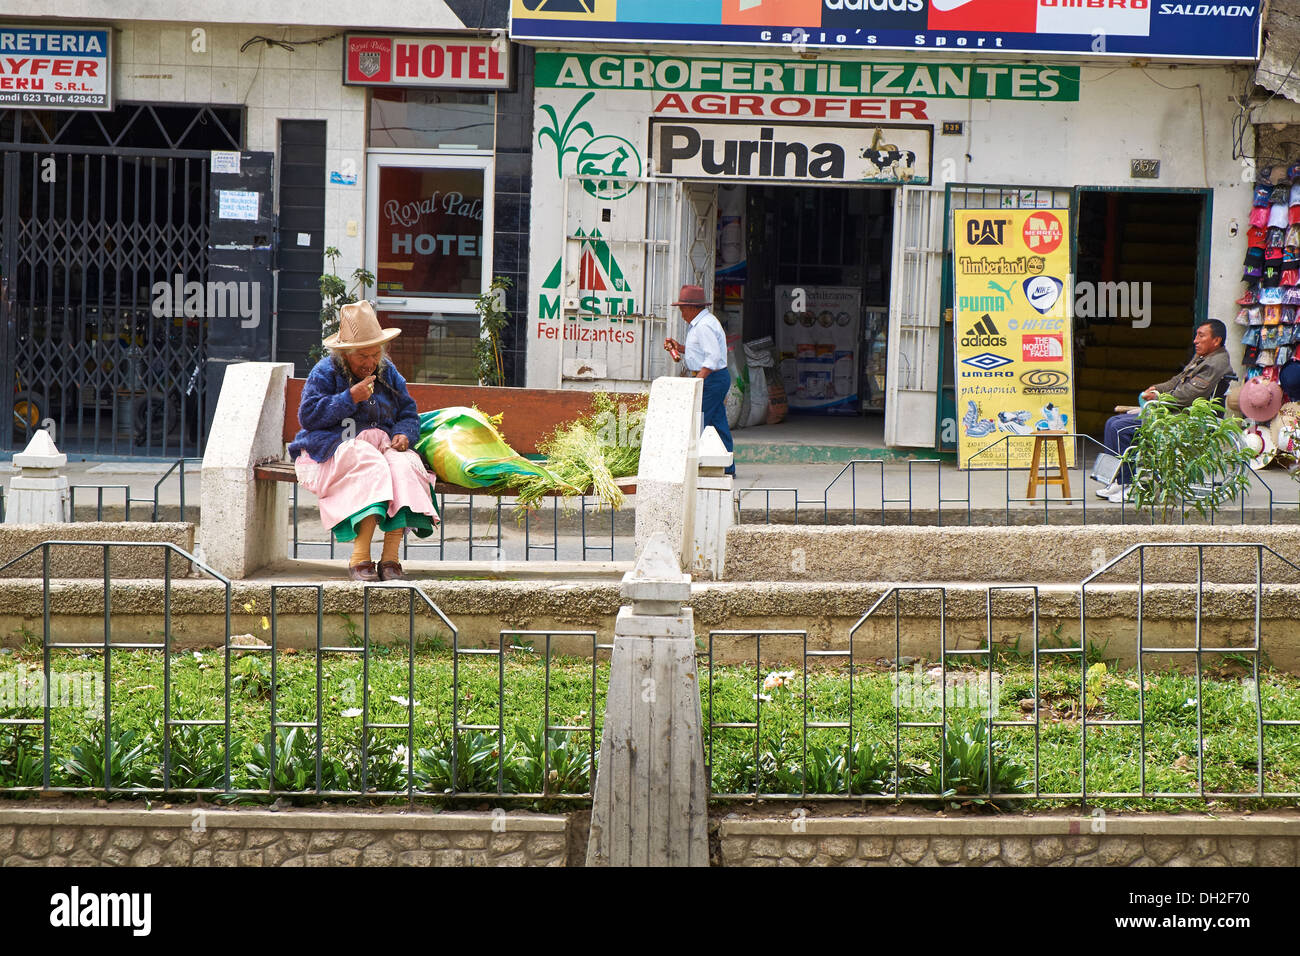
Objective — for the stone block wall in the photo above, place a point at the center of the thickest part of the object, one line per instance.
(1263, 840)
(194, 837)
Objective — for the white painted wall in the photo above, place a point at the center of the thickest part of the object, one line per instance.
(1180, 115)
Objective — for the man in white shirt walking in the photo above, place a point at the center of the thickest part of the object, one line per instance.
(705, 355)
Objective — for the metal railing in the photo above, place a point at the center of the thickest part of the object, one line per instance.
(882, 498)
(127, 500)
(895, 783)
(503, 739)
(505, 533)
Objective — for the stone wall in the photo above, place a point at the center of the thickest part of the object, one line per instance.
(1111, 840)
(207, 837)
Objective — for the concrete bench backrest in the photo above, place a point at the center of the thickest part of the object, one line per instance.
(531, 414)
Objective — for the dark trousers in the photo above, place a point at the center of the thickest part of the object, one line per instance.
(1119, 435)
(714, 409)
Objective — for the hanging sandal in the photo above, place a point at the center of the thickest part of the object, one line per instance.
(391, 571)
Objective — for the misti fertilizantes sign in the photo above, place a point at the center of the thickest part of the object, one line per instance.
(64, 68)
(447, 62)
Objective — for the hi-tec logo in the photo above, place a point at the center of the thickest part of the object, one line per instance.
(986, 232)
(879, 6)
(983, 334)
(76, 909)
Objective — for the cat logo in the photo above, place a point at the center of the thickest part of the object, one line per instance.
(985, 232)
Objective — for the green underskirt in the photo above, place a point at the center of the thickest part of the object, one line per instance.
(421, 524)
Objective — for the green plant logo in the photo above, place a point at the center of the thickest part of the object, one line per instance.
(612, 158)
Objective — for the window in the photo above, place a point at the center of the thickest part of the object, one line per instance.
(431, 119)
(429, 231)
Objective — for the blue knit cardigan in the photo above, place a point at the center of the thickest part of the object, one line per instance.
(326, 403)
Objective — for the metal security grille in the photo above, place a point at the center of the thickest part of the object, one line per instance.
(98, 215)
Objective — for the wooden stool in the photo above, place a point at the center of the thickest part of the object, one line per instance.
(1062, 477)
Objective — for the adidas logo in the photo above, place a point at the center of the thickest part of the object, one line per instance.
(983, 334)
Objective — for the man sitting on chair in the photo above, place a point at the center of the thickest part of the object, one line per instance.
(1197, 380)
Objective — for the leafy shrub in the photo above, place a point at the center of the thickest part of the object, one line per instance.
(477, 759)
(295, 764)
(966, 764)
(198, 759)
(20, 756)
(570, 762)
(84, 765)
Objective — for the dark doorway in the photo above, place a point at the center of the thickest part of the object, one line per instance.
(1138, 262)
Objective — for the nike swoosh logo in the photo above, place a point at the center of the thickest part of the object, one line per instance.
(943, 6)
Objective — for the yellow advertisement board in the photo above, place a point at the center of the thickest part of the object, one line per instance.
(1012, 331)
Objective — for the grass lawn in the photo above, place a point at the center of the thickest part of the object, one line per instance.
(775, 758)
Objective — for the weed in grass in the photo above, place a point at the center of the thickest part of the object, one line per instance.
(966, 765)
(477, 763)
(198, 758)
(20, 756)
(294, 764)
(569, 762)
(85, 763)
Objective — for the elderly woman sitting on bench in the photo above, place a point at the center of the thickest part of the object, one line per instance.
(354, 449)
(1198, 379)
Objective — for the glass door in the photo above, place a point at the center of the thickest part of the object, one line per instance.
(429, 244)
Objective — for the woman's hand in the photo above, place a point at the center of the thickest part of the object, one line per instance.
(401, 443)
(363, 389)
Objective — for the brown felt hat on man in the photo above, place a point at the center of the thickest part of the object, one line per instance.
(692, 295)
(359, 328)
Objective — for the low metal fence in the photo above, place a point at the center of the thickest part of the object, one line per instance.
(496, 528)
(153, 503)
(869, 491)
(300, 712)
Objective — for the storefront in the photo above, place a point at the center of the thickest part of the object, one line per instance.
(809, 176)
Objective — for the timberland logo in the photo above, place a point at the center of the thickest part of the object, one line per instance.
(76, 909)
(212, 300)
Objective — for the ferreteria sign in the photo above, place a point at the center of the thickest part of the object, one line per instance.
(60, 68)
(807, 152)
(795, 77)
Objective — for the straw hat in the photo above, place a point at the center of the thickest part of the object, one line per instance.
(359, 328)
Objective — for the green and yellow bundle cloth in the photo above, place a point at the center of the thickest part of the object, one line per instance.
(463, 447)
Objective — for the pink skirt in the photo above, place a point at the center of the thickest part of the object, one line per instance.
(363, 473)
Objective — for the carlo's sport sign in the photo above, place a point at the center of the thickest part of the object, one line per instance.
(1012, 331)
(56, 68)
(1125, 28)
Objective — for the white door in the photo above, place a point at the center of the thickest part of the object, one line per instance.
(617, 279)
(913, 364)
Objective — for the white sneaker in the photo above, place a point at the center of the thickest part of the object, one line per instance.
(1121, 493)
(1108, 490)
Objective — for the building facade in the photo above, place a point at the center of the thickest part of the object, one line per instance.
(805, 162)
(168, 210)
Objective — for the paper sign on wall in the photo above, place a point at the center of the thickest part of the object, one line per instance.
(237, 204)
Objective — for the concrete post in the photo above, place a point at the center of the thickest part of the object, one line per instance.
(651, 797)
(714, 507)
(244, 522)
(666, 475)
(39, 493)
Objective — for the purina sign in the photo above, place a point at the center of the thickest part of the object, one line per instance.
(60, 68)
(457, 62)
(807, 152)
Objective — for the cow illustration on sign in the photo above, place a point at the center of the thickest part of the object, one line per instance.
(886, 156)
(612, 158)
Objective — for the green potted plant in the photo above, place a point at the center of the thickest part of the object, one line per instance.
(1194, 456)
(336, 293)
(493, 316)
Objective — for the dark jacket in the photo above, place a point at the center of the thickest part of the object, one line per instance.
(1199, 378)
(326, 404)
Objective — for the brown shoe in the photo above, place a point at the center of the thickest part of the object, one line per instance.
(365, 571)
(391, 571)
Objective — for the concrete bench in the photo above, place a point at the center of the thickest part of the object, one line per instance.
(245, 515)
